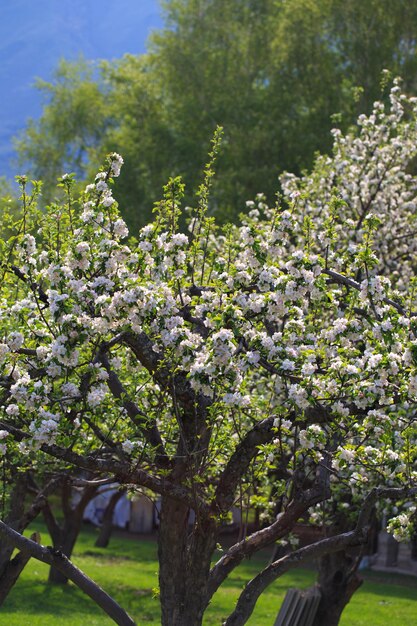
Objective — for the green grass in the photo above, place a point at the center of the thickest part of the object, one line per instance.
(128, 571)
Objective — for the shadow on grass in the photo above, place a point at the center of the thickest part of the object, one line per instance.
(107, 556)
(122, 544)
(46, 598)
(389, 578)
(59, 602)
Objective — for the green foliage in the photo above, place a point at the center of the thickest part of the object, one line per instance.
(9, 210)
(276, 75)
(74, 119)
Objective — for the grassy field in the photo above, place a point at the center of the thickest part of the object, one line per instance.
(128, 571)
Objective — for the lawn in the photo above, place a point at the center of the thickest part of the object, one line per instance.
(128, 571)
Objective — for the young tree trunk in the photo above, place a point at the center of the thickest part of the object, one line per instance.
(184, 559)
(13, 519)
(64, 536)
(10, 569)
(6, 551)
(107, 525)
(337, 580)
(17, 519)
(64, 544)
(13, 569)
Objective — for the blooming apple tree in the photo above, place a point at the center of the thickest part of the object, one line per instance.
(370, 175)
(196, 365)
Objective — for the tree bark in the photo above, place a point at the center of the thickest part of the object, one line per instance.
(337, 581)
(184, 559)
(65, 545)
(107, 525)
(338, 577)
(13, 569)
(53, 557)
(65, 536)
(18, 519)
(14, 519)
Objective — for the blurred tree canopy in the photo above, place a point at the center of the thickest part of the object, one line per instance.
(276, 74)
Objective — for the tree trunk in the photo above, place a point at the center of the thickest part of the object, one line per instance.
(337, 580)
(14, 518)
(13, 569)
(17, 519)
(65, 544)
(64, 537)
(107, 525)
(6, 551)
(184, 559)
(8, 572)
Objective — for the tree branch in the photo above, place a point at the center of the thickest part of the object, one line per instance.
(124, 474)
(257, 585)
(356, 537)
(280, 528)
(13, 569)
(137, 416)
(36, 289)
(52, 525)
(350, 282)
(121, 471)
(263, 432)
(194, 406)
(63, 564)
(39, 503)
(239, 462)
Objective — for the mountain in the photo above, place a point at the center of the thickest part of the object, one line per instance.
(34, 35)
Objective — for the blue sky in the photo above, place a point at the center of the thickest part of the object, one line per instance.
(35, 34)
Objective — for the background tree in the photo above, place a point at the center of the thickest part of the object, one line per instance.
(22, 501)
(74, 119)
(64, 532)
(372, 171)
(106, 527)
(272, 73)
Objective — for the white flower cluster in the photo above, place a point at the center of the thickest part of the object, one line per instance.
(370, 172)
(44, 428)
(402, 526)
(116, 164)
(3, 446)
